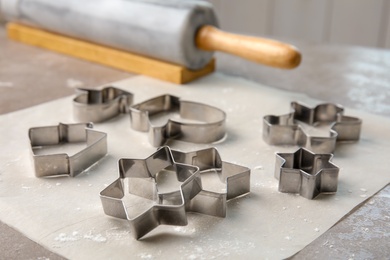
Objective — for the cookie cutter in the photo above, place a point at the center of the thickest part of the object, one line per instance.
(236, 179)
(51, 165)
(198, 123)
(285, 129)
(92, 105)
(306, 173)
(168, 207)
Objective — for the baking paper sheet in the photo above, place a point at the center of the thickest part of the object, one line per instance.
(66, 216)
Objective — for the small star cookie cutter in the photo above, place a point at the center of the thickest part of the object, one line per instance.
(236, 179)
(168, 207)
(285, 130)
(306, 173)
(92, 105)
(198, 123)
(50, 165)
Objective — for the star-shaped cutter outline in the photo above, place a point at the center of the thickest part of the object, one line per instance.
(98, 105)
(198, 123)
(61, 164)
(306, 173)
(169, 209)
(234, 176)
(285, 129)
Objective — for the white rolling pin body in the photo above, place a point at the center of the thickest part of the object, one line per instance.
(164, 30)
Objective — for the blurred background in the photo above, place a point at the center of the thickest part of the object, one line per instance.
(352, 22)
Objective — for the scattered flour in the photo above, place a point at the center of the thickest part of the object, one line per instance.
(25, 187)
(184, 230)
(6, 84)
(75, 236)
(95, 238)
(145, 256)
(63, 237)
(74, 83)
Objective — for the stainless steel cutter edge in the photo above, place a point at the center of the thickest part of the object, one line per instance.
(235, 177)
(306, 173)
(213, 128)
(160, 213)
(283, 130)
(195, 198)
(98, 105)
(62, 164)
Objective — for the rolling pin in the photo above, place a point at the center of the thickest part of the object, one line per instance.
(183, 32)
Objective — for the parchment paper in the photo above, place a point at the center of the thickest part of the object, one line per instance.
(65, 214)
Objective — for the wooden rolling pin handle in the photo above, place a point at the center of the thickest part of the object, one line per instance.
(265, 51)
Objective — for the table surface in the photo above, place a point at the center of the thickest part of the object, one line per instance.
(352, 76)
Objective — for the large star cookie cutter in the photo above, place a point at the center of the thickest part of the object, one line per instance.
(197, 123)
(235, 178)
(286, 130)
(92, 105)
(168, 208)
(49, 165)
(306, 173)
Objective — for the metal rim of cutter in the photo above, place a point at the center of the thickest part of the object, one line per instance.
(306, 173)
(92, 105)
(236, 178)
(284, 130)
(209, 126)
(169, 208)
(62, 164)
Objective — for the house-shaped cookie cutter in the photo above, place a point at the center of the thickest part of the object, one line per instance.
(50, 165)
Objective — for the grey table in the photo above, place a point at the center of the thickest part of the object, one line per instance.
(352, 76)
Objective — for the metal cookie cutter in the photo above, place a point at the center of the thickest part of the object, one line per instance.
(93, 105)
(236, 179)
(143, 175)
(285, 130)
(306, 173)
(198, 123)
(63, 164)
